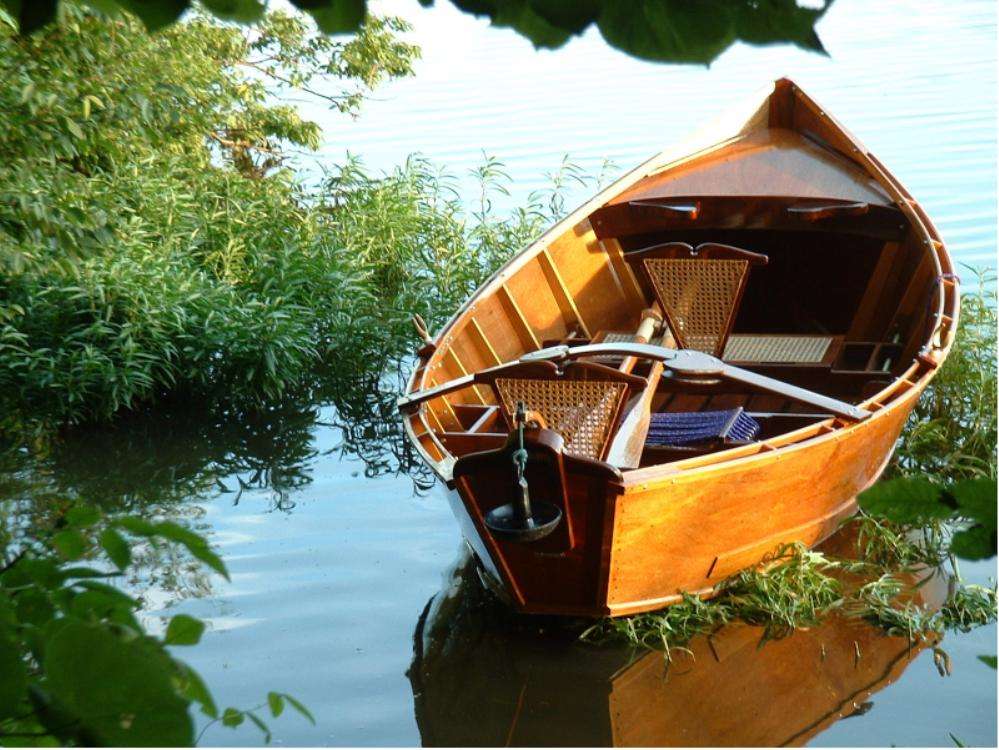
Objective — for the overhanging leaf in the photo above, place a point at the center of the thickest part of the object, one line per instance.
(121, 691)
(975, 543)
(242, 11)
(276, 704)
(13, 677)
(184, 630)
(117, 549)
(155, 14)
(298, 706)
(334, 16)
(905, 500)
(70, 544)
(194, 688)
(976, 500)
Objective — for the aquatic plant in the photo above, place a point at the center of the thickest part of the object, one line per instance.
(798, 588)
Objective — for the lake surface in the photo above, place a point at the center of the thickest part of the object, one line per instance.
(334, 554)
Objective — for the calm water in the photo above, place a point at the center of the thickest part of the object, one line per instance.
(332, 568)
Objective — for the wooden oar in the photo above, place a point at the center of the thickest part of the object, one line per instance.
(651, 320)
(626, 448)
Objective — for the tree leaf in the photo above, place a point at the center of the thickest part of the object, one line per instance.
(83, 515)
(232, 717)
(260, 725)
(975, 543)
(905, 500)
(118, 550)
(184, 630)
(334, 16)
(120, 690)
(70, 544)
(31, 14)
(75, 129)
(13, 677)
(197, 545)
(276, 703)
(156, 14)
(196, 689)
(976, 500)
(989, 660)
(242, 11)
(299, 707)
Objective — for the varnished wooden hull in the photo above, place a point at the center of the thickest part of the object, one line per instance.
(635, 540)
(646, 542)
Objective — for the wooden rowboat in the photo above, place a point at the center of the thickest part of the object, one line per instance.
(710, 358)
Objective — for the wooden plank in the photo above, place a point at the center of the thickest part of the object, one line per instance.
(623, 274)
(487, 345)
(586, 269)
(862, 328)
(463, 371)
(561, 292)
(516, 314)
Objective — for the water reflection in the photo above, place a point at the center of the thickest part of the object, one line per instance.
(482, 676)
(181, 452)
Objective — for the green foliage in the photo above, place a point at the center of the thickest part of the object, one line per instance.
(951, 433)
(78, 667)
(969, 505)
(659, 30)
(144, 264)
(150, 239)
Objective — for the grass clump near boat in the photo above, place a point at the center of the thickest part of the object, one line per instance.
(800, 588)
(951, 433)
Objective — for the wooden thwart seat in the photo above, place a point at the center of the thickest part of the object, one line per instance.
(779, 348)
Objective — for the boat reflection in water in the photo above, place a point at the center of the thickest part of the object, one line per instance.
(482, 675)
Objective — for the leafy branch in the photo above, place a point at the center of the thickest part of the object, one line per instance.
(78, 666)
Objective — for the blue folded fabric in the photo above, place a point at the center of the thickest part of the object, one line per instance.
(691, 428)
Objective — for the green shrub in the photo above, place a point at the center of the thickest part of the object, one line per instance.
(152, 238)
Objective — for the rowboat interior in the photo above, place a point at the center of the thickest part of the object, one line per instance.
(774, 246)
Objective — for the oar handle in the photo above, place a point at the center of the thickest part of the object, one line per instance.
(651, 320)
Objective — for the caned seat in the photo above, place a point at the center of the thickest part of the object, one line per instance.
(699, 289)
(582, 402)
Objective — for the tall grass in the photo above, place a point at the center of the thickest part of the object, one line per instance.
(951, 433)
(239, 291)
